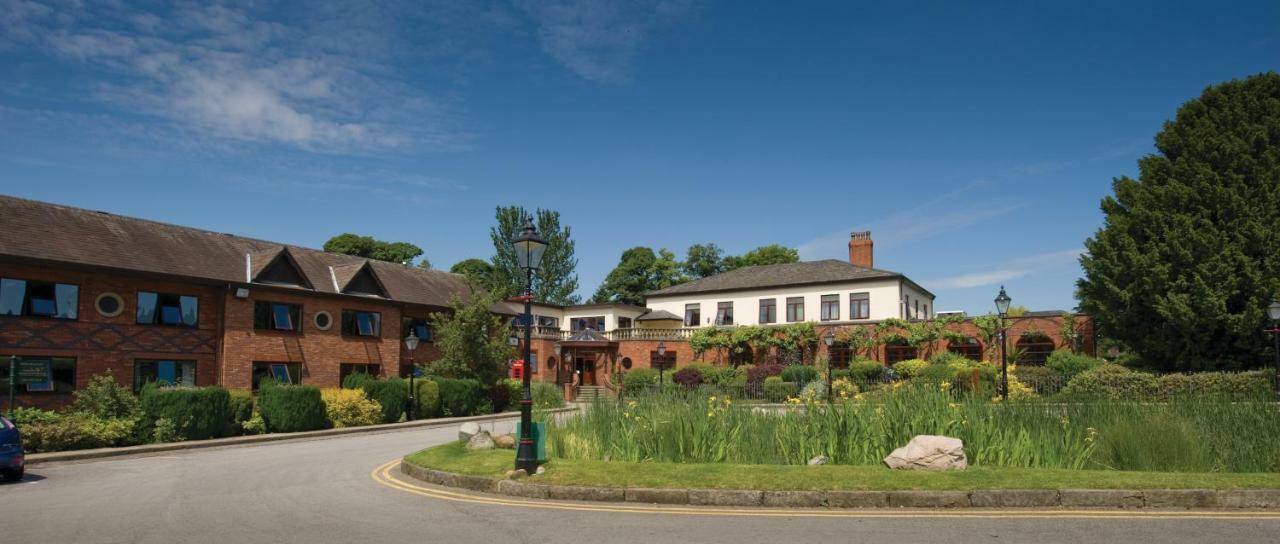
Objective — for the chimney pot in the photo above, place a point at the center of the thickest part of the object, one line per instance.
(861, 249)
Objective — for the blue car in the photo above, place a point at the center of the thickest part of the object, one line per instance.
(12, 460)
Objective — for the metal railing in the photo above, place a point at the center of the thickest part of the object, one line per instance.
(630, 333)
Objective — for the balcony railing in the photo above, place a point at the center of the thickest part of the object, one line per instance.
(633, 333)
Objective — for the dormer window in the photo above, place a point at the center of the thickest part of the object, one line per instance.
(357, 279)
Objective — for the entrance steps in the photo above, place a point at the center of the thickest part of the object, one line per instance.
(593, 393)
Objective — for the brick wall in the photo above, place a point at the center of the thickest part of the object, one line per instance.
(100, 343)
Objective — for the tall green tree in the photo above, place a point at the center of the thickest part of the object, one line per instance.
(472, 340)
(371, 248)
(556, 281)
(702, 260)
(639, 271)
(770, 254)
(477, 271)
(1189, 255)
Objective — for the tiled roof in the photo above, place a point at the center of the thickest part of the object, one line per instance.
(659, 315)
(779, 275)
(51, 232)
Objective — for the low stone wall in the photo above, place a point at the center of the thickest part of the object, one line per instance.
(978, 498)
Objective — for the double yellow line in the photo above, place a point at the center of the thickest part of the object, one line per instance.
(385, 475)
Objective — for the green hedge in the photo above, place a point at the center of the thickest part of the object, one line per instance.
(240, 407)
(390, 393)
(291, 408)
(196, 413)
(910, 367)
(547, 395)
(865, 369)
(638, 379)
(459, 397)
(77, 431)
(1069, 364)
(427, 398)
(777, 390)
(799, 374)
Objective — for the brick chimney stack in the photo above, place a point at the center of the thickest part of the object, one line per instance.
(861, 248)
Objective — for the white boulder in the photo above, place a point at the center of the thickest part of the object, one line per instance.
(468, 430)
(481, 441)
(927, 452)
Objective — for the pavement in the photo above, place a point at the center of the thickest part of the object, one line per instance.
(344, 489)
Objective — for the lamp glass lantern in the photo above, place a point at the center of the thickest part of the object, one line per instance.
(529, 246)
(1002, 302)
(514, 339)
(829, 339)
(662, 349)
(411, 341)
(1274, 311)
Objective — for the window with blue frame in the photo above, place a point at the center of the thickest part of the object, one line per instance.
(287, 373)
(62, 374)
(169, 310)
(277, 316)
(39, 298)
(360, 323)
(164, 372)
(419, 326)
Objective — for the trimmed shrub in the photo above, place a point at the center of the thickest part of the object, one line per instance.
(428, 398)
(939, 373)
(547, 395)
(841, 374)
(757, 374)
(196, 413)
(392, 394)
(77, 431)
(23, 416)
(949, 358)
(1234, 385)
(687, 377)
(239, 408)
(707, 372)
(910, 368)
(459, 397)
(1070, 364)
(104, 398)
(866, 369)
(356, 380)
(291, 408)
(729, 376)
(777, 390)
(350, 408)
(1112, 381)
(636, 380)
(799, 374)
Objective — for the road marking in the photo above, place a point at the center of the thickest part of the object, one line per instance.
(384, 475)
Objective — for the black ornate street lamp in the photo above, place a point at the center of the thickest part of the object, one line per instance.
(529, 248)
(1273, 311)
(1002, 307)
(830, 340)
(411, 343)
(662, 361)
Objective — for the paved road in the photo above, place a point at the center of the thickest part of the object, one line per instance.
(320, 491)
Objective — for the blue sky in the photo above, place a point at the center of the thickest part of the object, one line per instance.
(974, 140)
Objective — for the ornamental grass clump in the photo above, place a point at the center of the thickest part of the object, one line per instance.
(1208, 434)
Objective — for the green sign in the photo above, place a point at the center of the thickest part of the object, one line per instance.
(32, 372)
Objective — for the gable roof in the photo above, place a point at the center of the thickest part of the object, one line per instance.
(783, 275)
(63, 234)
(276, 267)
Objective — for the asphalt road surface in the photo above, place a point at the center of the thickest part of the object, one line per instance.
(324, 490)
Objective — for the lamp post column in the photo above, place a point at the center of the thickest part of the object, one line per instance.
(13, 383)
(526, 458)
(413, 402)
(1004, 364)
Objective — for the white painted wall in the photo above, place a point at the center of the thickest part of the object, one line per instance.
(566, 315)
(746, 304)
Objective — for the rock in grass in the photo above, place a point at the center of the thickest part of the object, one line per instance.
(481, 441)
(468, 430)
(516, 474)
(541, 469)
(927, 452)
(505, 441)
(819, 460)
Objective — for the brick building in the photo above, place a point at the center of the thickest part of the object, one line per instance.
(93, 292)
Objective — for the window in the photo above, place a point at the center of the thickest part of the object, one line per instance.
(62, 370)
(860, 306)
(898, 351)
(355, 323)
(626, 363)
(548, 321)
(692, 315)
(290, 373)
(624, 322)
(917, 316)
(840, 356)
(322, 320)
(277, 316)
(165, 372)
(109, 304)
(968, 347)
(347, 369)
(418, 326)
(724, 313)
(795, 309)
(768, 310)
(39, 298)
(1035, 349)
(830, 307)
(594, 323)
(926, 311)
(169, 310)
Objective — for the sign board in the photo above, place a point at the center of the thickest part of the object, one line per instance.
(33, 372)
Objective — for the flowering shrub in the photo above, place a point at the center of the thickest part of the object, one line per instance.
(757, 374)
(350, 408)
(843, 389)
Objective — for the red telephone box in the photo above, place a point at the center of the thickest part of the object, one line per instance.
(517, 369)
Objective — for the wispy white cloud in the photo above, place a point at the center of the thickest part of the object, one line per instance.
(599, 39)
(944, 213)
(1013, 269)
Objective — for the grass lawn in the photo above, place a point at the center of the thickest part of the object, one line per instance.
(495, 463)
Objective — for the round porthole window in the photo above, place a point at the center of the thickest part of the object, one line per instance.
(109, 304)
(323, 320)
(626, 363)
